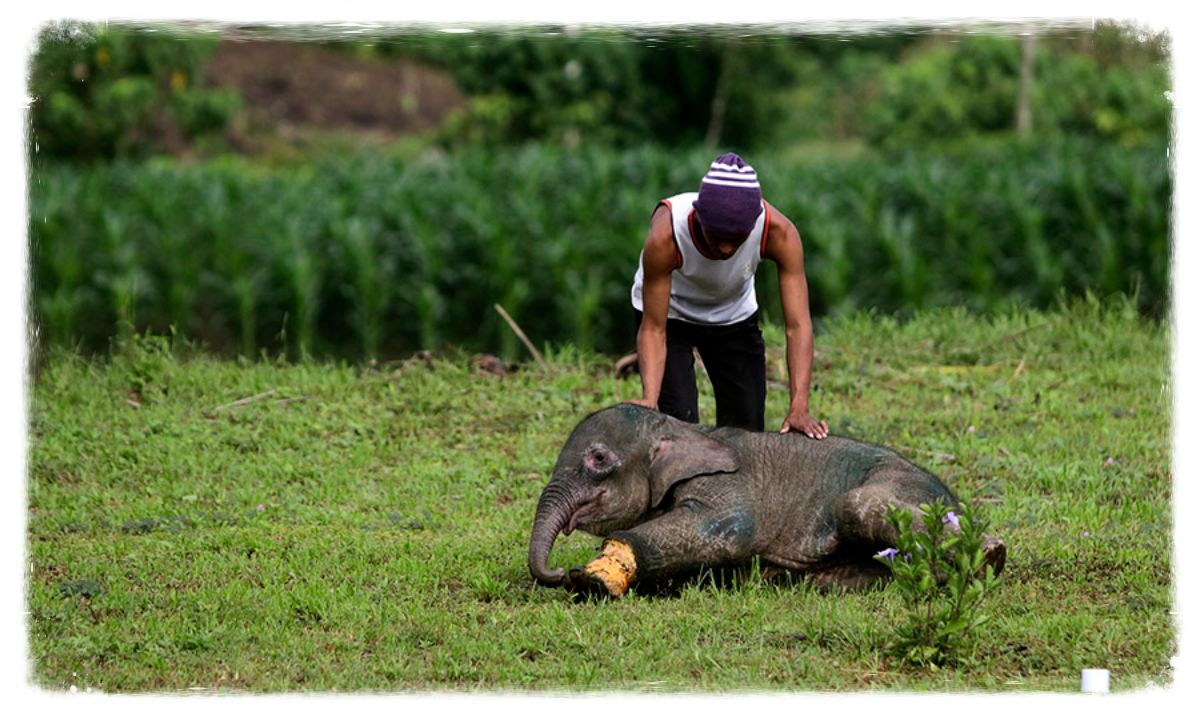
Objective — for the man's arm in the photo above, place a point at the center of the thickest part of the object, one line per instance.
(659, 260)
(784, 248)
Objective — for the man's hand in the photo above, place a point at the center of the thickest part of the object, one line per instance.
(803, 422)
(644, 403)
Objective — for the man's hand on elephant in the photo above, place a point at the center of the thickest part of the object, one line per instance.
(649, 404)
(806, 424)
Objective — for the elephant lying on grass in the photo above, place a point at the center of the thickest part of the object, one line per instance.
(672, 498)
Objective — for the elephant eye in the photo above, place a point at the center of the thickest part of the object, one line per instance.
(599, 459)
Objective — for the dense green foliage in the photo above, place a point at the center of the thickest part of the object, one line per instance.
(107, 91)
(305, 527)
(117, 90)
(372, 255)
(756, 87)
(630, 86)
(970, 87)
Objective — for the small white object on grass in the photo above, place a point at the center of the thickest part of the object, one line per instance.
(1094, 681)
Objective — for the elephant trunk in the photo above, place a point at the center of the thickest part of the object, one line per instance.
(554, 511)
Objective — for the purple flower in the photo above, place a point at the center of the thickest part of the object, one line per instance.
(951, 518)
(1110, 460)
(261, 508)
(888, 554)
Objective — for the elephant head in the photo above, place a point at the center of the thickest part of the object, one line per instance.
(616, 467)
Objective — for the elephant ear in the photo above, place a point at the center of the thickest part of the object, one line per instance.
(683, 454)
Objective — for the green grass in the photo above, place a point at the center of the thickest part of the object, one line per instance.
(389, 550)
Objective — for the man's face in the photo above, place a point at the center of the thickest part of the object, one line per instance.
(723, 245)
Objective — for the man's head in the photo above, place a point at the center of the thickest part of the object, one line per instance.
(730, 200)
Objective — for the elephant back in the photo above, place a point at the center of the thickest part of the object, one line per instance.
(799, 483)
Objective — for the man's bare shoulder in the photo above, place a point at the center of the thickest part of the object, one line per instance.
(780, 224)
(661, 254)
(661, 224)
(783, 244)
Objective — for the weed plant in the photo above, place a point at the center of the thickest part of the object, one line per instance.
(938, 568)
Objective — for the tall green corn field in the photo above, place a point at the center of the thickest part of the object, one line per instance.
(373, 255)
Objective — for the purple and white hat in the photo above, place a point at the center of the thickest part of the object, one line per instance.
(730, 197)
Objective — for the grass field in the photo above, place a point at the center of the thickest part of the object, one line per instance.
(268, 526)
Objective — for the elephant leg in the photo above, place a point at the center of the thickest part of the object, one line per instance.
(853, 576)
(862, 516)
(685, 539)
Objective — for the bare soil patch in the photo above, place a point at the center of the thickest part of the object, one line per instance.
(296, 85)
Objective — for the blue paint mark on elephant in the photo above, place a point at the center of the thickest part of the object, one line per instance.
(631, 412)
(735, 528)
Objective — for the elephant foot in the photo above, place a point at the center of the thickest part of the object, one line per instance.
(994, 555)
(581, 585)
(609, 574)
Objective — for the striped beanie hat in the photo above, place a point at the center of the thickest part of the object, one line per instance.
(730, 197)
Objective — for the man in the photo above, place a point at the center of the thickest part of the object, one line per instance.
(694, 288)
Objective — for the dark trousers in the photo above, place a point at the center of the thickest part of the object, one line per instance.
(734, 357)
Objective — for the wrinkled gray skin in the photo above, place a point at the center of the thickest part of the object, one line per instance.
(687, 497)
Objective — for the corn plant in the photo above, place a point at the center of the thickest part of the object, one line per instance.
(367, 254)
(123, 279)
(370, 275)
(60, 282)
(301, 275)
(897, 236)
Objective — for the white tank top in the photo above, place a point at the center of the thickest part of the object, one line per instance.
(705, 290)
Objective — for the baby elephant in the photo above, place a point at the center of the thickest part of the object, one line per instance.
(671, 498)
